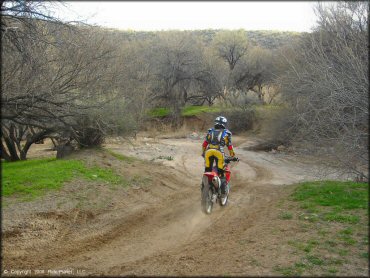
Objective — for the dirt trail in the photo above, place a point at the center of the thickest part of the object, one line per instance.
(159, 229)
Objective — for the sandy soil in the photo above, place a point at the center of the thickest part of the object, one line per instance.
(156, 227)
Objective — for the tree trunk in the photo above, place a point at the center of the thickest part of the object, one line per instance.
(4, 154)
(64, 150)
(11, 149)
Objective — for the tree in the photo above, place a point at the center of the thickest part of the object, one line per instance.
(50, 76)
(181, 72)
(231, 46)
(249, 67)
(253, 72)
(327, 84)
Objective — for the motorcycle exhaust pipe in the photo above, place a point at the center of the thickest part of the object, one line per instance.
(216, 181)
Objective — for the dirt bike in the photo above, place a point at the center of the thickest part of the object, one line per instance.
(211, 187)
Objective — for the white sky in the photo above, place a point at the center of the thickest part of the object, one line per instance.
(284, 16)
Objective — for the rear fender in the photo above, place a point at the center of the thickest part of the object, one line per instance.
(212, 178)
(210, 175)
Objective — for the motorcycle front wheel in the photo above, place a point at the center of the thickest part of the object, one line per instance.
(223, 200)
(206, 201)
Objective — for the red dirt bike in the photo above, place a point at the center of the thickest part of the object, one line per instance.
(211, 187)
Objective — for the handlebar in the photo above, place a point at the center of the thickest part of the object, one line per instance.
(228, 159)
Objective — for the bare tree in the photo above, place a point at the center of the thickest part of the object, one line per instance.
(49, 76)
(327, 84)
(231, 46)
(181, 72)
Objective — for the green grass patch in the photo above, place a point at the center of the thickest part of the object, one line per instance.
(335, 216)
(365, 255)
(159, 112)
(187, 111)
(120, 156)
(323, 232)
(332, 270)
(140, 180)
(315, 260)
(291, 271)
(346, 231)
(342, 252)
(347, 240)
(196, 110)
(342, 218)
(304, 246)
(286, 215)
(33, 177)
(331, 201)
(344, 195)
(330, 243)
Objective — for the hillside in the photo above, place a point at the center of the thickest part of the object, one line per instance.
(265, 38)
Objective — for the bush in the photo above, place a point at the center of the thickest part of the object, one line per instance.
(88, 132)
(277, 125)
(326, 87)
(119, 118)
(240, 119)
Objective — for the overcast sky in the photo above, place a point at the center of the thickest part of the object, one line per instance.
(156, 15)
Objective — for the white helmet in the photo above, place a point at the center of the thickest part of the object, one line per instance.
(221, 121)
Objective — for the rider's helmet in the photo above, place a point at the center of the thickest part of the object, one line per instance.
(220, 122)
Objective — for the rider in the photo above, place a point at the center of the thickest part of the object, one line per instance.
(213, 148)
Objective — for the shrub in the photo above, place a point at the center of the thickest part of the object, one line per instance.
(88, 132)
(240, 119)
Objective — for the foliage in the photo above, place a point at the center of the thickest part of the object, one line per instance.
(326, 86)
(268, 39)
(230, 46)
(52, 74)
(116, 118)
(87, 132)
(57, 74)
(239, 118)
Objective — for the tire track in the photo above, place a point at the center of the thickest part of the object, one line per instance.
(161, 227)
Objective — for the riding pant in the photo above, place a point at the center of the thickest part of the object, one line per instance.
(212, 155)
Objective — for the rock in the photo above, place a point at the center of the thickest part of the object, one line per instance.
(281, 148)
(194, 135)
(273, 151)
